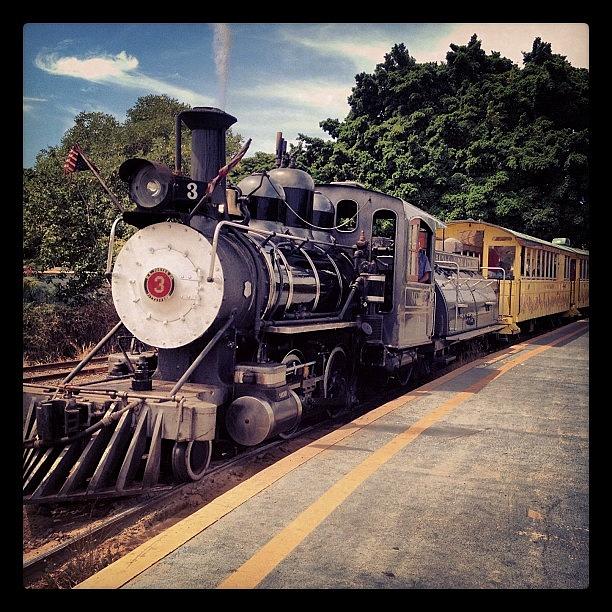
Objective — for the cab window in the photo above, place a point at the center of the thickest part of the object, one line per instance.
(347, 213)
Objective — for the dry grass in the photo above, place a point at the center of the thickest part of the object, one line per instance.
(55, 331)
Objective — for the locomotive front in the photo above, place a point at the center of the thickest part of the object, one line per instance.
(202, 281)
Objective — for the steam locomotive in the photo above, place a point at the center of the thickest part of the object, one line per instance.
(264, 302)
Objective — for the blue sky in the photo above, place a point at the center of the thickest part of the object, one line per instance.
(278, 77)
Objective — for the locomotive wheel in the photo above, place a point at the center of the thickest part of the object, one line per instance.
(335, 383)
(290, 359)
(190, 460)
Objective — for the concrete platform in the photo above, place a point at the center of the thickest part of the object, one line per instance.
(479, 479)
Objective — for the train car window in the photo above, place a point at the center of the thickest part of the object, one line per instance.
(529, 263)
(550, 264)
(502, 257)
(347, 215)
(384, 225)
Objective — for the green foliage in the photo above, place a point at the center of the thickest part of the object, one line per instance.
(38, 291)
(67, 220)
(256, 163)
(54, 331)
(475, 137)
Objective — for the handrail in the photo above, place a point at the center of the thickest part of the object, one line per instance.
(503, 278)
(452, 263)
(495, 268)
(111, 244)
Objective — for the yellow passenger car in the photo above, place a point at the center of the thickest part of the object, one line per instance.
(536, 278)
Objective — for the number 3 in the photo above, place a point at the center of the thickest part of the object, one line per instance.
(192, 191)
(160, 285)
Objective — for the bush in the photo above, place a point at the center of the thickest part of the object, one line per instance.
(56, 331)
(35, 290)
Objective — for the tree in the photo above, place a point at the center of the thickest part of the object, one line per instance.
(256, 163)
(476, 137)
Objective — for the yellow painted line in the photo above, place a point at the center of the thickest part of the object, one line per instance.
(144, 556)
(267, 558)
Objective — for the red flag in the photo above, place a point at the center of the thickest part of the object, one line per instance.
(75, 161)
(228, 167)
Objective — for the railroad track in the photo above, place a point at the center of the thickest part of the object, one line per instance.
(114, 524)
(58, 369)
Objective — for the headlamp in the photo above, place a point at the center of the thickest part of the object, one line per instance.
(150, 182)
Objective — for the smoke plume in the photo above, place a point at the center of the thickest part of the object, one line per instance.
(222, 43)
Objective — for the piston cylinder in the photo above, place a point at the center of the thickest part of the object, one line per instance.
(251, 419)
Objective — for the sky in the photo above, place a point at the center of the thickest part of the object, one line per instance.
(271, 76)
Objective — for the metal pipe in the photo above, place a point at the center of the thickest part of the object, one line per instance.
(89, 357)
(111, 244)
(348, 299)
(201, 356)
(294, 322)
(261, 232)
(128, 363)
(336, 319)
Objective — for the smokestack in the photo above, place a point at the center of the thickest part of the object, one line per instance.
(208, 126)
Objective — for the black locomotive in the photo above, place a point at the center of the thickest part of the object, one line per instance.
(264, 302)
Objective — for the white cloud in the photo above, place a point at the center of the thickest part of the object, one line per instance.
(297, 107)
(95, 69)
(313, 94)
(365, 54)
(120, 69)
(28, 103)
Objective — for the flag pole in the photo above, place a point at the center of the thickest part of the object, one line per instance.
(108, 191)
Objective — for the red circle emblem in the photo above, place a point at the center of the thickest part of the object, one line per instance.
(159, 284)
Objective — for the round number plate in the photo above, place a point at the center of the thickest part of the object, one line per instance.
(159, 284)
